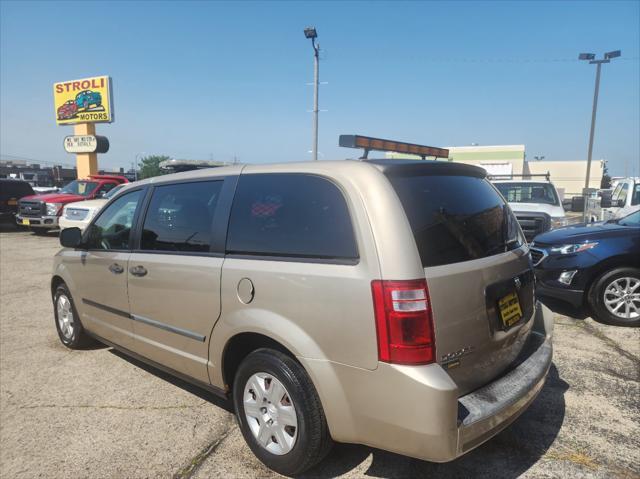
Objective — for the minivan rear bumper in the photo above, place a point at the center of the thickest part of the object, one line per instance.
(417, 411)
(488, 410)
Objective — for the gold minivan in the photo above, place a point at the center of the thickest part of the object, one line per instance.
(381, 302)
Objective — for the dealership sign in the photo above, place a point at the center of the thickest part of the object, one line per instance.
(86, 144)
(83, 101)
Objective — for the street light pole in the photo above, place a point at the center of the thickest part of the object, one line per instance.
(592, 60)
(310, 32)
(593, 123)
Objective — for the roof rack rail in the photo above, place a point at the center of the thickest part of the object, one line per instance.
(378, 144)
(510, 176)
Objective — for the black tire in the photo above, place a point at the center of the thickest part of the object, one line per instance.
(596, 297)
(78, 338)
(313, 441)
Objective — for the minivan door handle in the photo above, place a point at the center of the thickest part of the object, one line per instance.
(115, 268)
(138, 270)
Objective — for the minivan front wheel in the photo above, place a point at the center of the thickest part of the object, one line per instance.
(279, 412)
(68, 324)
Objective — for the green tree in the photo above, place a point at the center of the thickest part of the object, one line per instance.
(605, 183)
(150, 166)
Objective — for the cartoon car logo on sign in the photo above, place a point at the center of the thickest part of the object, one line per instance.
(68, 110)
(86, 98)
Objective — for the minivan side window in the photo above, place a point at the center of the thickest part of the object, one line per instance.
(180, 216)
(112, 229)
(290, 215)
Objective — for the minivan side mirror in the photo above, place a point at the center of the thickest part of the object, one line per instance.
(620, 203)
(71, 237)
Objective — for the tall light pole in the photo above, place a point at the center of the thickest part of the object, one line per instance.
(591, 58)
(310, 32)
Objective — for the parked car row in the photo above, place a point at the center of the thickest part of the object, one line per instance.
(43, 212)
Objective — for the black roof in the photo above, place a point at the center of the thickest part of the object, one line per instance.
(426, 167)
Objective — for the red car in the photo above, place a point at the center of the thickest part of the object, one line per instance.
(68, 110)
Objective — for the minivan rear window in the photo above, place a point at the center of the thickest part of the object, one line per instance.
(290, 215)
(456, 218)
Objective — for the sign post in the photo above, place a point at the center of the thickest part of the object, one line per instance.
(83, 103)
(87, 163)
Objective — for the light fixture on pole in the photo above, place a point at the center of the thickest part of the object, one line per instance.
(310, 32)
(591, 58)
(538, 158)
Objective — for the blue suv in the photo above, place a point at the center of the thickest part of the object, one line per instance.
(591, 270)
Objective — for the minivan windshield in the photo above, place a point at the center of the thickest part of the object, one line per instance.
(543, 193)
(456, 218)
(79, 187)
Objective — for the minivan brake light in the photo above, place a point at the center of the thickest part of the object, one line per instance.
(404, 321)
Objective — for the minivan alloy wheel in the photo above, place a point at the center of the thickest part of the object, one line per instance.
(270, 413)
(65, 316)
(622, 297)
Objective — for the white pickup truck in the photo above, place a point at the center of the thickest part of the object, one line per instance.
(535, 203)
(625, 200)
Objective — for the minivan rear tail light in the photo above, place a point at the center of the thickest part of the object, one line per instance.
(404, 322)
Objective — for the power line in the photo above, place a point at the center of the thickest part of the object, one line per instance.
(505, 60)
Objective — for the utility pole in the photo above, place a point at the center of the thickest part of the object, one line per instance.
(310, 32)
(591, 57)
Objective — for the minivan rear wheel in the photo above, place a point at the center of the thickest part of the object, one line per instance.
(68, 324)
(279, 412)
(615, 297)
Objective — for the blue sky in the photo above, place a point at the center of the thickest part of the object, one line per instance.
(199, 80)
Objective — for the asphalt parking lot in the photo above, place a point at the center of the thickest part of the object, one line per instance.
(96, 413)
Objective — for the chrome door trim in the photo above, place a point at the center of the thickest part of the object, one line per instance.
(151, 322)
(167, 327)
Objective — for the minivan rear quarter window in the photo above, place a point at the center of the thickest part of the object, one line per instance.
(290, 215)
(456, 218)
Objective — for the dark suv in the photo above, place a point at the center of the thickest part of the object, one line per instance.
(10, 192)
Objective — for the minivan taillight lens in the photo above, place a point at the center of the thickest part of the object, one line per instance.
(404, 321)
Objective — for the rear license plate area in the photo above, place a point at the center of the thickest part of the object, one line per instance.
(510, 300)
(509, 308)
